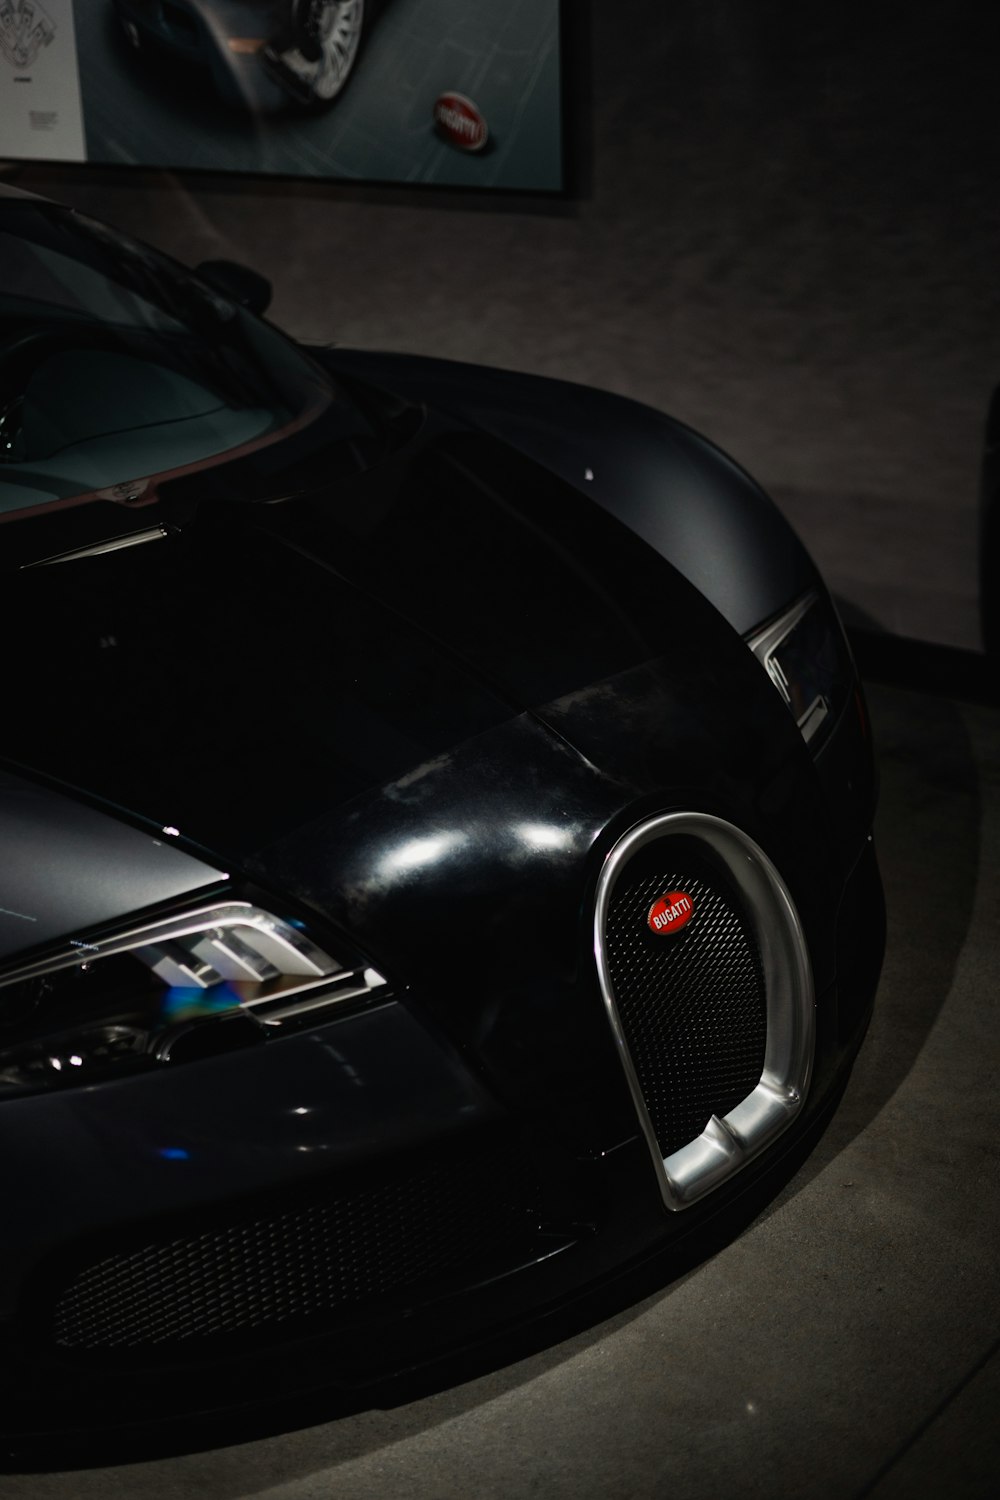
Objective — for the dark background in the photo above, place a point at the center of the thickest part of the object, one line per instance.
(784, 231)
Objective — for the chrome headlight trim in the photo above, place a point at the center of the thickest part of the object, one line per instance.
(204, 966)
(302, 956)
(812, 692)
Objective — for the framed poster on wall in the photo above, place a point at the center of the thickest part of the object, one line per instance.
(454, 93)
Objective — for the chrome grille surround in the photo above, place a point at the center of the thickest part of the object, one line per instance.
(727, 1144)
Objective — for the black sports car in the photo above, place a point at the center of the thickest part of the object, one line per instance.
(307, 47)
(437, 864)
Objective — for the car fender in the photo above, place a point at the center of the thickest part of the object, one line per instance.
(667, 483)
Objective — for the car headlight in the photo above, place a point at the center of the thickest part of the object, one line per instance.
(165, 990)
(806, 656)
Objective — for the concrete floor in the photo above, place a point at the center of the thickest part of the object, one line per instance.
(845, 1345)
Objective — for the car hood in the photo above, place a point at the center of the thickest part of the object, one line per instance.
(667, 483)
(263, 665)
(68, 867)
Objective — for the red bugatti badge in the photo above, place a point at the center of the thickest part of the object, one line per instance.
(670, 913)
(460, 122)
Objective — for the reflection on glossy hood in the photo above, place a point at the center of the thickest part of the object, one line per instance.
(262, 663)
(68, 867)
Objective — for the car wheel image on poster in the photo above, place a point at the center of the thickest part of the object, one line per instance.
(324, 44)
(339, 89)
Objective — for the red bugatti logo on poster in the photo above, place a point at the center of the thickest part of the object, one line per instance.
(670, 913)
(460, 122)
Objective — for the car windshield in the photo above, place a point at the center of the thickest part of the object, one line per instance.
(120, 369)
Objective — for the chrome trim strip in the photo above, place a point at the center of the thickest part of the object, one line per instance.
(314, 996)
(273, 1015)
(294, 951)
(766, 641)
(97, 549)
(726, 1145)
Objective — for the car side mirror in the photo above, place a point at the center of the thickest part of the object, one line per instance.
(246, 288)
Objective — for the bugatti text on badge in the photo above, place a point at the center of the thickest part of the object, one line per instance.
(670, 913)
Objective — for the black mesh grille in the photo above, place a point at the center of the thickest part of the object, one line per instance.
(317, 1256)
(691, 1004)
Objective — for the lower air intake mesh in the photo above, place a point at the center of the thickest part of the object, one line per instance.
(692, 1003)
(315, 1256)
